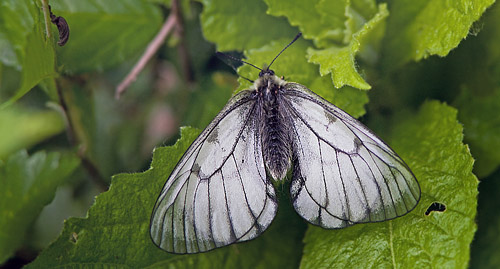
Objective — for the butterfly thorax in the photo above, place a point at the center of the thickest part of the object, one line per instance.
(272, 124)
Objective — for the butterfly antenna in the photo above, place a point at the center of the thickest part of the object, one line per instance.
(220, 54)
(295, 39)
(251, 81)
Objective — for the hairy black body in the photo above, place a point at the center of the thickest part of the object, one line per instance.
(273, 125)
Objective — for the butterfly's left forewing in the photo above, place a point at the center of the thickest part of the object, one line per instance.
(343, 173)
(218, 193)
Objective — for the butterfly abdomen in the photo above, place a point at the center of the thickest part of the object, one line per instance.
(276, 145)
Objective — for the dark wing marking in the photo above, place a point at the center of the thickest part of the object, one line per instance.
(218, 193)
(343, 173)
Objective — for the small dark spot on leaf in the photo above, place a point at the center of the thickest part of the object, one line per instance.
(73, 238)
(435, 207)
(242, 160)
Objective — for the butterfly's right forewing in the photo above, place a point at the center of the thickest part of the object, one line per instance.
(218, 193)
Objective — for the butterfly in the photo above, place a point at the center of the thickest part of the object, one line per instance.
(221, 191)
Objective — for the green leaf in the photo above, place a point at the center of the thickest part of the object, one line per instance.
(485, 251)
(293, 65)
(431, 144)
(24, 45)
(109, 136)
(481, 119)
(209, 99)
(116, 230)
(327, 25)
(22, 129)
(166, 3)
(341, 29)
(339, 60)
(419, 29)
(28, 184)
(241, 25)
(477, 65)
(105, 33)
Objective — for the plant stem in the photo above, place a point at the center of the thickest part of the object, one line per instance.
(185, 59)
(87, 164)
(46, 16)
(152, 48)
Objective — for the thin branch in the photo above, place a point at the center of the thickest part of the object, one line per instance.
(182, 49)
(45, 9)
(87, 164)
(93, 172)
(62, 102)
(150, 51)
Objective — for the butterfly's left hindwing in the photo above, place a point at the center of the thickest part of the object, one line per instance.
(218, 193)
(343, 173)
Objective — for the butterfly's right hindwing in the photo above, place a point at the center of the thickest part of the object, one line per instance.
(218, 193)
(343, 173)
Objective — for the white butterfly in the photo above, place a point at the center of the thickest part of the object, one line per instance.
(221, 192)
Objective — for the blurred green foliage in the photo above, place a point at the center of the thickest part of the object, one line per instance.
(432, 67)
(28, 184)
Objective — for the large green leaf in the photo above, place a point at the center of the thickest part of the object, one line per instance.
(24, 45)
(485, 251)
(241, 24)
(418, 29)
(328, 24)
(481, 119)
(28, 184)
(431, 144)
(339, 28)
(340, 62)
(116, 230)
(105, 33)
(477, 65)
(20, 128)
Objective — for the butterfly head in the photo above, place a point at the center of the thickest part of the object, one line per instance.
(268, 81)
(266, 72)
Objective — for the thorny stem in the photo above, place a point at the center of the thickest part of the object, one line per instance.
(152, 48)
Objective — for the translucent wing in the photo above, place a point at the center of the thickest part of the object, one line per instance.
(343, 173)
(218, 193)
